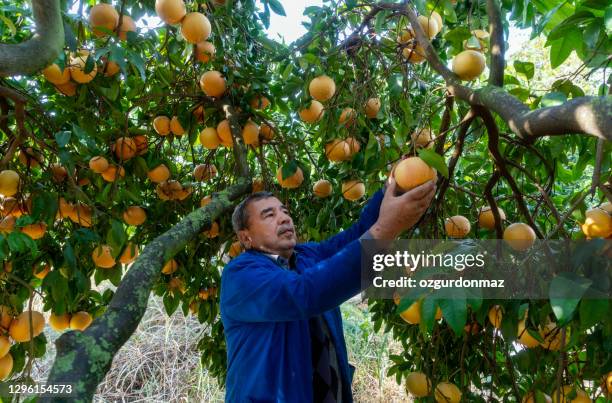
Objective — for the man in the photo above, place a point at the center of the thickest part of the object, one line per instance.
(280, 299)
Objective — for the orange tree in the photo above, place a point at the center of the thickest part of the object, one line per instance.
(125, 143)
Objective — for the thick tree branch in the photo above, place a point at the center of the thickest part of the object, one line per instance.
(498, 47)
(41, 50)
(84, 358)
(582, 115)
(445, 123)
(242, 167)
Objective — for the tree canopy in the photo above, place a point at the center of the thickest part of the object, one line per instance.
(129, 130)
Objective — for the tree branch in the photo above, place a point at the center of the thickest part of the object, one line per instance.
(582, 115)
(493, 132)
(41, 50)
(498, 47)
(84, 358)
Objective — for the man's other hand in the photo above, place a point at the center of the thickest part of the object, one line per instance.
(399, 213)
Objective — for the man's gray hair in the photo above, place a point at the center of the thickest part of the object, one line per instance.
(240, 217)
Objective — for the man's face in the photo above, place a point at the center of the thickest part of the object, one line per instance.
(270, 228)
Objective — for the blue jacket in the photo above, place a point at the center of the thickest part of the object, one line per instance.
(265, 311)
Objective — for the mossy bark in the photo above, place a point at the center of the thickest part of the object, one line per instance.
(84, 358)
(31, 56)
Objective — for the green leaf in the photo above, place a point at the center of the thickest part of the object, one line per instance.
(171, 302)
(289, 169)
(62, 138)
(592, 310)
(116, 236)
(525, 68)
(608, 18)
(565, 292)
(455, 313)
(277, 7)
(561, 48)
(553, 99)
(434, 160)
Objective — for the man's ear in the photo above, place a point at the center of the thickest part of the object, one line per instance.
(245, 238)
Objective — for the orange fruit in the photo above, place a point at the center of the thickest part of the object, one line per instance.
(170, 11)
(353, 190)
(322, 88)
(125, 148)
(213, 231)
(405, 36)
(250, 133)
(257, 185)
(204, 51)
(161, 124)
(134, 215)
(159, 174)
(524, 337)
(176, 284)
(77, 68)
(209, 138)
(127, 25)
(110, 68)
(102, 257)
(347, 117)
(519, 236)
(5, 317)
(59, 322)
(5, 346)
(98, 164)
(59, 172)
(142, 144)
(195, 27)
(129, 254)
(175, 126)
(80, 320)
(259, 102)
(414, 53)
(469, 65)
(372, 107)
(422, 138)
(429, 25)
(292, 181)
(598, 223)
(412, 172)
(337, 150)
(30, 158)
(113, 173)
(447, 392)
(6, 366)
(104, 16)
(7, 224)
(354, 145)
(322, 188)
(69, 89)
(418, 384)
(495, 316)
(457, 226)
(566, 390)
(82, 215)
(204, 172)
(170, 267)
(225, 133)
(486, 219)
(35, 231)
(9, 183)
(55, 75)
(266, 131)
(212, 83)
(20, 328)
(313, 113)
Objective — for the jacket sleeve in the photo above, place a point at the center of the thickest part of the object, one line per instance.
(367, 218)
(259, 291)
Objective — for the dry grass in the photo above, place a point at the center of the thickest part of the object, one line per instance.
(161, 363)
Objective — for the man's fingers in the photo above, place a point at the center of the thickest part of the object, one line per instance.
(420, 191)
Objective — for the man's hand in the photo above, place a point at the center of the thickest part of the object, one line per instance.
(399, 213)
